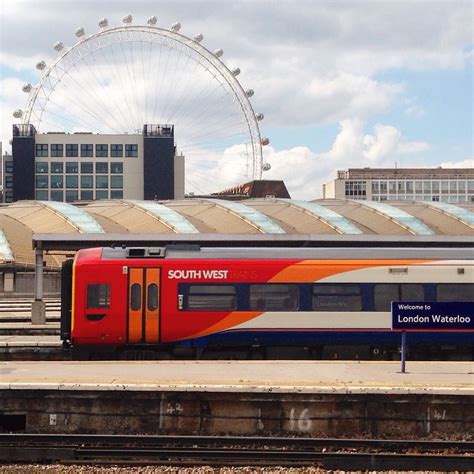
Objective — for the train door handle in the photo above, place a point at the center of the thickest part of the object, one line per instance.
(96, 317)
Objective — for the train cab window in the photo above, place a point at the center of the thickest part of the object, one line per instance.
(335, 297)
(98, 296)
(152, 304)
(212, 298)
(274, 297)
(455, 292)
(135, 297)
(385, 293)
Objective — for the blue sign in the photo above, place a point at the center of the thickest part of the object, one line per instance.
(432, 316)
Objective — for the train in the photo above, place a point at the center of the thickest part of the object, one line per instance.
(183, 301)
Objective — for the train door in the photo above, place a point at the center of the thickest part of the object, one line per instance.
(143, 320)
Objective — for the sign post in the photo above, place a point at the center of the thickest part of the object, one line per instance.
(430, 316)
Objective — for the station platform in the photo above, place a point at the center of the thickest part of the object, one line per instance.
(258, 398)
(242, 376)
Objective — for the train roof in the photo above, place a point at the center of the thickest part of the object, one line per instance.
(174, 252)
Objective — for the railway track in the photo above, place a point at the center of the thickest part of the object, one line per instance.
(352, 454)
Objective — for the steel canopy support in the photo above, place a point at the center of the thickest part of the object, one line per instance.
(38, 308)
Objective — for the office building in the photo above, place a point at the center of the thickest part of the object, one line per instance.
(450, 185)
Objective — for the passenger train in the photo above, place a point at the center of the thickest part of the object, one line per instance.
(184, 301)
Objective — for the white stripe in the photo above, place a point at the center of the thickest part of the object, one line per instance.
(319, 320)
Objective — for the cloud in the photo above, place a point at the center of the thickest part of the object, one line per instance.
(304, 171)
(467, 163)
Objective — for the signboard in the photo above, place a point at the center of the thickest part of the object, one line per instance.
(432, 316)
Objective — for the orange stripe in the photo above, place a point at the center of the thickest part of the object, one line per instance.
(135, 316)
(308, 271)
(152, 316)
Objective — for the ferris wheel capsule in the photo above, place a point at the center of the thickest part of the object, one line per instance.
(176, 27)
(198, 38)
(80, 32)
(40, 65)
(152, 20)
(265, 141)
(259, 117)
(103, 23)
(18, 113)
(266, 167)
(218, 53)
(235, 71)
(249, 92)
(58, 46)
(27, 87)
(127, 19)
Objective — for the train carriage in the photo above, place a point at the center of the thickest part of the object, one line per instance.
(178, 300)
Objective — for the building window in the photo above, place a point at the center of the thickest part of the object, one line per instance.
(8, 182)
(42, 167)
(57, 149)
(462, 187)
(71, 196)
(8, 197)
(101, 182)
(116, 151)
(41, 181)
(131, 150)
(427, 187)
(470, 186)
(383, 187)
(87, 195)
(57, 181)
(409, 186)
(72, 149)
(71, 167)
(8, 166)
(57, 195)
(444, 187)
(102, 151)
(274, 297)
(356, 189)
(102, 167)
(116, 168)
(87, 151)
(401, 186)
(435, 198)
(41, 195)
(116, 194)
(41, 150)
(87, 181)
(87, 167)
(375, 187)
(453, 187)
(116, 182)
(71, 182)
(102, 195)
(435, 187)
(57, 167)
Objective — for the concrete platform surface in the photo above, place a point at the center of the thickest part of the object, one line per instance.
(442, 378)
(29, 341)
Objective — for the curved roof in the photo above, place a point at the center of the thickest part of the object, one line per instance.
(414, 225)
(255, 218)
(18, 221)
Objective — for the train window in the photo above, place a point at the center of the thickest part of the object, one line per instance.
(274, 297)
(212, 298)
(135, 297)
(152, 303)
(385, 293)
(455, 292)
(98, 296)
(331, 297)
(412, 292)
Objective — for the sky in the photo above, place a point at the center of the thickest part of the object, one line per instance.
(341, 83)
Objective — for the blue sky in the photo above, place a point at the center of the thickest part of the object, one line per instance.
(341, 83)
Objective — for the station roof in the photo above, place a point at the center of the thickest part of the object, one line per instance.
(265, 217)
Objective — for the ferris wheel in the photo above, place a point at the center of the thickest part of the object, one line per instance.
(120, 78)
